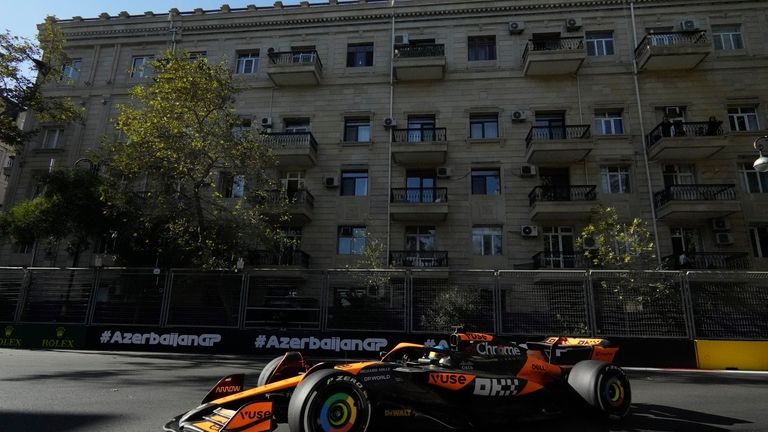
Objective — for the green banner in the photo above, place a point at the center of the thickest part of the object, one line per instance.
(45, 336)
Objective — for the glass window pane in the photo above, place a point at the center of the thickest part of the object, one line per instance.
(491, 130)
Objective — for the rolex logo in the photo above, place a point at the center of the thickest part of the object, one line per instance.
(8, 331)
(60, 332)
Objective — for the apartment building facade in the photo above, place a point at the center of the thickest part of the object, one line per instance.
(467, 134)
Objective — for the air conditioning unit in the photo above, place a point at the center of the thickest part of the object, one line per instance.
(444, 172)
(527, 170)
(401, 39)
(589, 243)
(390, 123)
(519, 116)
(266, 122)
(721, 224)
(689, 25)
(331, 181)
(529, 231)
(723, 239)
(516, 27)
(573, 24)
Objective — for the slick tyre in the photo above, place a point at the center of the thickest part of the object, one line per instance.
(267, 371)
(329, 401)
(603, 386)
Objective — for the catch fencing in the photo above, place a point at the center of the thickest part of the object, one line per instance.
(658, 304)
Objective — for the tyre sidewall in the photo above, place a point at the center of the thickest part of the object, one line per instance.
(304, 406)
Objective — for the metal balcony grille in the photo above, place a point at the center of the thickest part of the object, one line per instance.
(419, 195)
(290, 140)
(296, 58)
(419, 259)
(550, 133)
(419, 135)
(695, 192)
(562, 193)
(683, 129)
(415, 51)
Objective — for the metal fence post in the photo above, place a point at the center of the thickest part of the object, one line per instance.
(408, 301)
(496, 303)
(589, 296)
(94, 293)
(166, 304)
(23, 291)
(687, 299)
(244, 292)
(324, 301)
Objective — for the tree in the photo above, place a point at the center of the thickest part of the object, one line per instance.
(19, 92)
(616, 244)
(184, 141)
(74, 206)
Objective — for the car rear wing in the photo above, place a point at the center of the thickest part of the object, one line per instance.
(563, 350)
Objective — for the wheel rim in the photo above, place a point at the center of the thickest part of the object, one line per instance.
(614, 392)
(339, 411)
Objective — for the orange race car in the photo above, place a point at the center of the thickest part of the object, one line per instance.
(476, 382)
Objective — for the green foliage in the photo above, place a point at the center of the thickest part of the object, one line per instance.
(20, 92)
(179, 132)
(620, 245)
(451, 306)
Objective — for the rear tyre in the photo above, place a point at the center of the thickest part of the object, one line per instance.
(329, 401)
(603, 386)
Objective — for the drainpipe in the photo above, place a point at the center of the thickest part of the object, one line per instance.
(389, 146)
(172, 30)
(642, 136)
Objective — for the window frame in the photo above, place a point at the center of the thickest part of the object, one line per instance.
(242, 59)
(360, 51)
(487, 240)
(759, 243)
(354, 182)
(142, 70)
(353, 127)
(721, 34)
(70, 71)
(484, 120)
(595, 43)
(59, 132)
(231, 186)
(741, 121)
(621, 173)
(759, 179)
(483, 174)
(481, 48)
(350, 239)
(612, 119)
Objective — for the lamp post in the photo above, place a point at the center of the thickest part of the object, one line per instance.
(761, 163)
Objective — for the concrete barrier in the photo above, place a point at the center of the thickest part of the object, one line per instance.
(742, 355)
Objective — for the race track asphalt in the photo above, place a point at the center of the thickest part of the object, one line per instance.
(98, 391)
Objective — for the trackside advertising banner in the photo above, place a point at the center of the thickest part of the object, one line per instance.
(218, 340)
(42, 336)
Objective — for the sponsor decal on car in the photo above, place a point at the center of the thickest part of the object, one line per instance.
(405, 412)
(497, 386)
(486, 349)
(313, 343)
(450, 381)
(167, 339)
(253, 417)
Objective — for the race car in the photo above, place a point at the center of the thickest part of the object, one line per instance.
(476, 382)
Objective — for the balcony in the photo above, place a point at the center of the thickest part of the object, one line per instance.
(293, 149)
(301, 204)
(709, 261)
(294, 68)
(419, 204)
(560, 260)
(553, 56)
(420, 146)
(561, 203)
(696, 201)
(558, 144)
(672, 50)
(685, 140)
(418, 259)
(420, 62)
(288, 258)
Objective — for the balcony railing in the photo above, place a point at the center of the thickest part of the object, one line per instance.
(417, 135)
(695, 192)
(684, 129)
(279, 258)
(419, 195)
(709, 261)
(550, 133)
(415, 51)
(672, 39)
(295, 57)
(553, 44)
(557, 260)
(301, 196)
(421, 259)
(562, 193)
(290, 140)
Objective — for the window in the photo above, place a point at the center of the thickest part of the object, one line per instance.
(297, 125)
(743, 118)
(615, 179)
(303, 54)
(685, 239)
(727, 37)
(196, 55)
(247, 62)
(351, 240)
(140, 67)
(483, 126)
(758, 234)
(482, 48)
(486, 182)
(243, 129)
(52, 138)
(293, 182)
(599, 43)
(71, 70)
(421, 128)
(357, 129)
(486, 240)
(608, 122)
(360, 55)
(420, 238)
(354, 183)
(753, 181)
(231, 185)
(679, 175)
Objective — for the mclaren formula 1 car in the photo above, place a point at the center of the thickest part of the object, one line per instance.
(477, 382)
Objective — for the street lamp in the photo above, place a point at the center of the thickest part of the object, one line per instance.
(761, 163)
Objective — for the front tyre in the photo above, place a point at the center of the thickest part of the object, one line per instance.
(329, 401)
(603, 386)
